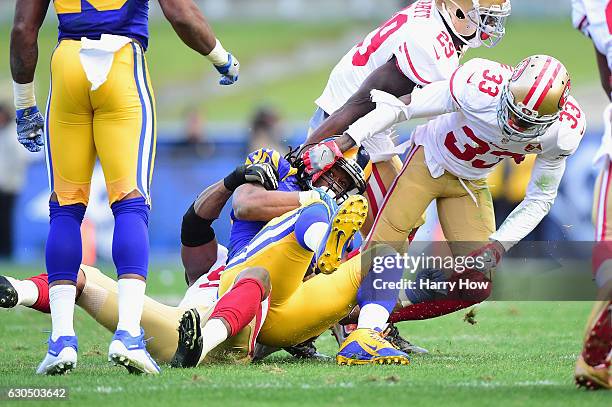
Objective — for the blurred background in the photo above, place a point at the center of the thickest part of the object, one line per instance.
(287, 49)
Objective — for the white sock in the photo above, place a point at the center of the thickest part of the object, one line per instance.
(372, 316)
(27, 291)
(61, 299)
(314, 235)
(131, 302)
(213, 334)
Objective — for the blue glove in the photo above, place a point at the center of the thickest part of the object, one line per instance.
(229, 72)
(30, 124)
(328, 199)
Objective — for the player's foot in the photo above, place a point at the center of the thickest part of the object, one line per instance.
(307, 350)
(131, 352)
(61, 356)
(392, 335)
(592, 378)
(344, 224)
(367, 346)
(8, 294)
(190, 344)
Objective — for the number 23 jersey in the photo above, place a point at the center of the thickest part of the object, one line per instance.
(416, 36)
(468, 142)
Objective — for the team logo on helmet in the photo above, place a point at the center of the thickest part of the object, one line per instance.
(565, 94)
(518, 71)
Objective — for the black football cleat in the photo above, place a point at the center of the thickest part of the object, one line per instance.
(190, 345)
(392, 335)
(306, 350)
(8, 294)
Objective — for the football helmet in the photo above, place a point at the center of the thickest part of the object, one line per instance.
(476, 22)
(533, 98)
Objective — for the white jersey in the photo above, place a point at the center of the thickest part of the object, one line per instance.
(594, 19)
(424, 51)
(205, 290)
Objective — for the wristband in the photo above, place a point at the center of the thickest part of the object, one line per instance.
(23, 95)
(307, 197)
(218, 56)
(235, 179)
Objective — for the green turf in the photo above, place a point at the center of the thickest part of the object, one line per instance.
(518, 354)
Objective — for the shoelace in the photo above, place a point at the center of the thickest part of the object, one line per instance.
(378, 338)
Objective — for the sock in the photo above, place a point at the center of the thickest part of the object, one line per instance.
(213, 334)
(63, 252)
(42, 285)
(377, 296)
(131, 236)
(61, 299)
(27, 291)
(240, 304)
(131, 302)
(311, 226)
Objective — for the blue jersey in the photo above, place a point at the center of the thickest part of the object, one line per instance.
(242, 230)
(92, 18)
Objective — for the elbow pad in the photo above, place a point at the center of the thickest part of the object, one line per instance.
(196, 231)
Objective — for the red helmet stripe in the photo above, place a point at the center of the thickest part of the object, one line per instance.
(537, 82)
(548, 87)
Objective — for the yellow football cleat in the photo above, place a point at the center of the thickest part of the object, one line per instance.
(347, 221)
(367, 346)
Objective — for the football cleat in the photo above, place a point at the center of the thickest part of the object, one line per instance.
(592, 377)
(347, 221)
(307, 350)
(61, 356)
(131, 352)
(8, 294)
(367, 346)
(392, 335)
(189, 348)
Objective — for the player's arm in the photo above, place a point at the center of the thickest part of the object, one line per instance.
(193, 29)
(198, 243)
(252, 202)
(29, 16)
(604, 73)
(387, 78)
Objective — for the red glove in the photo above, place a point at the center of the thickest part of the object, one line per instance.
(490, 254)
(321, 157)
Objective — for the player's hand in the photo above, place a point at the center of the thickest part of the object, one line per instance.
(488, 256)
(30, 124)
(260, 173)
(321, 157)
(229, 72)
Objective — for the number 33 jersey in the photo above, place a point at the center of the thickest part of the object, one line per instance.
(416, 36)
(468, 141)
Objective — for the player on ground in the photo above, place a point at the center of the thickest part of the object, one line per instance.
(486, 112)
(100, 105)
(418, 45)
(594, 19)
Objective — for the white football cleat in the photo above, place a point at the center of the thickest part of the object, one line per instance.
(61, 356)
(131, 352)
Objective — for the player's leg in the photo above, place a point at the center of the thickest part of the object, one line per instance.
(406, 201)
(70, 155)
(592, 367)
(236, 319)
(124, 134)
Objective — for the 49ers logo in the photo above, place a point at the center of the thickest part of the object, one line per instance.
(518, 71)
(565, 94)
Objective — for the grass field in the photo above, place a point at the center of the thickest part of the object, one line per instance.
(518, 354)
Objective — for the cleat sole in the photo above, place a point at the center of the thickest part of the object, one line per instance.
(347, 221)
(8, 294)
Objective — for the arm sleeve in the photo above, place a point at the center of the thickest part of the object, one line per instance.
(432, 100)
(541, 193)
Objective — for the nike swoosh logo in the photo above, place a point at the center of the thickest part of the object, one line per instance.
(374, 348)
(340, 236)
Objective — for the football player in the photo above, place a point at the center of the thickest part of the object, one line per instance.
(101, 105)
(417, 46)
(594, 19)
(485, 113)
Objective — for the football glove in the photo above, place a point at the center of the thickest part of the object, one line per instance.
(229, 72)
(30, 124)
(490, 254)
(260, 173)
(321, 157)
(417, 294)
